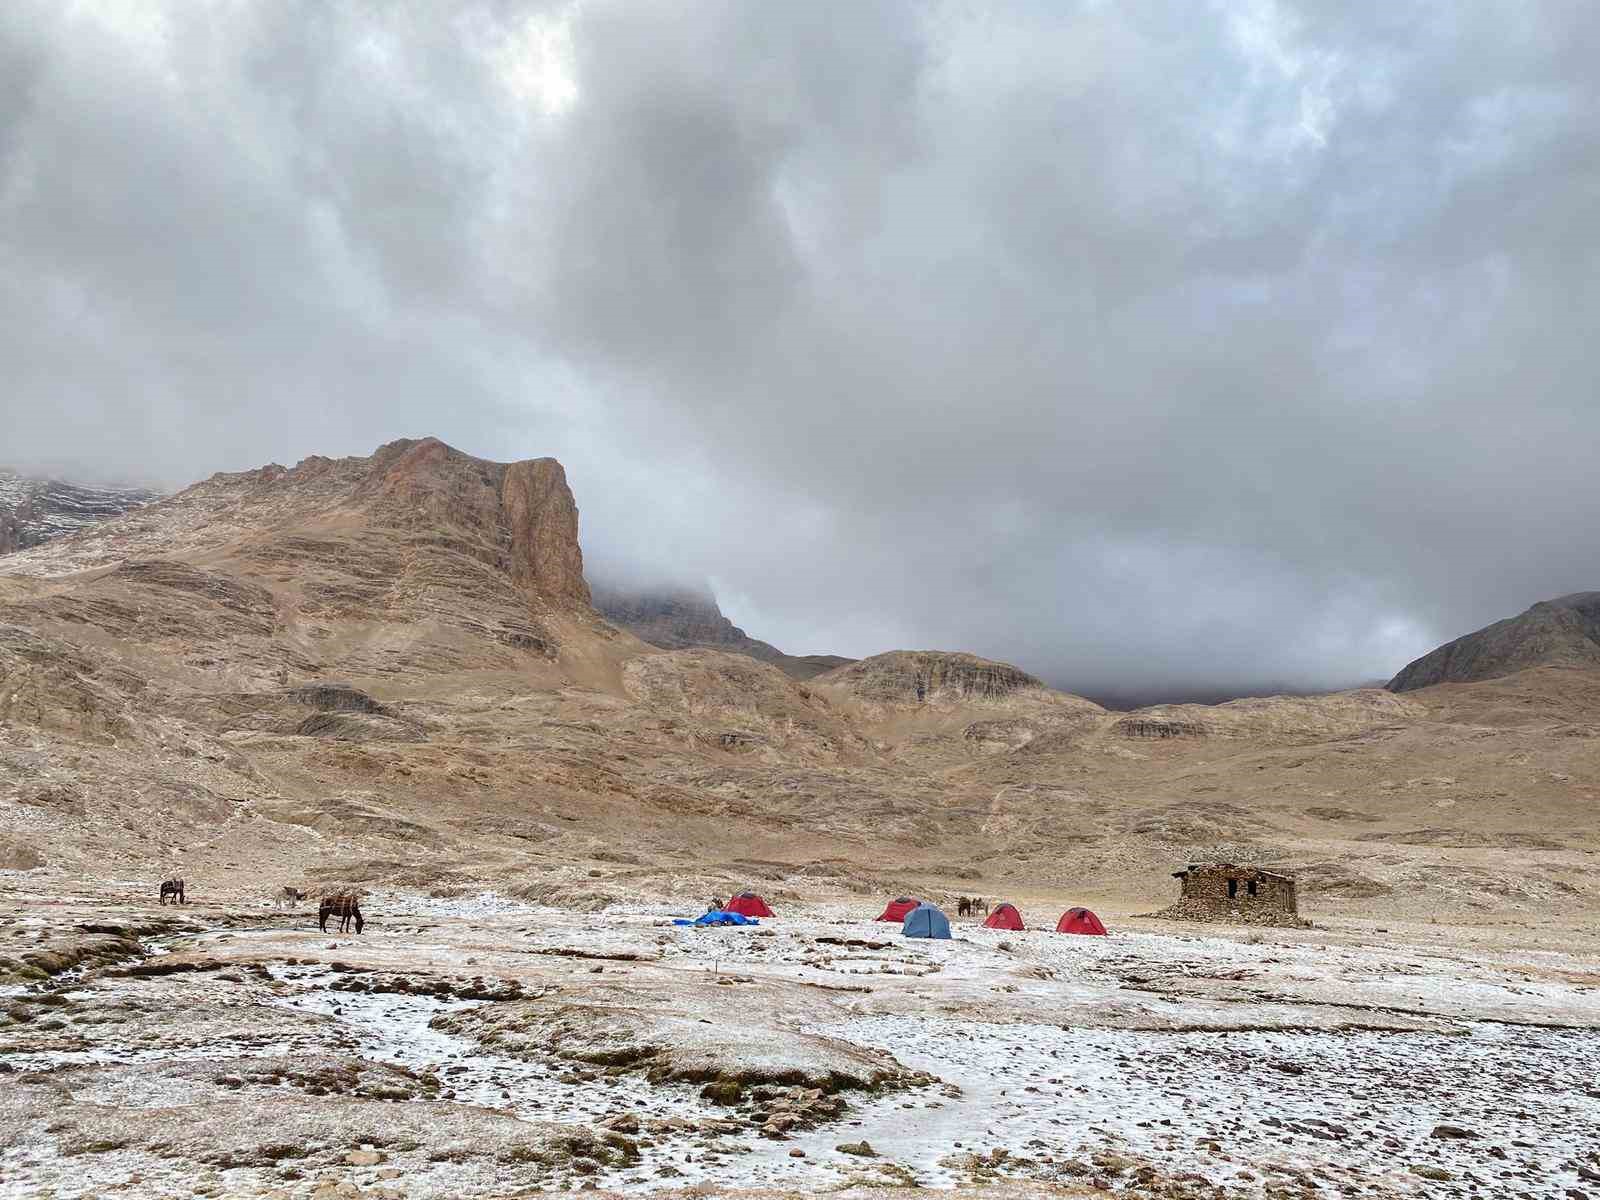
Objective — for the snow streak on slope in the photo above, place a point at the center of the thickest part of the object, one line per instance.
(35, 511)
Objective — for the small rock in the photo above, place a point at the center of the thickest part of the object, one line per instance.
(859, 1149)
(1453, 1131)
(797, 1153)
(364, 1158)
(1428, 1171)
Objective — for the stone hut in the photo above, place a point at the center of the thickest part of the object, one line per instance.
(1242, 895)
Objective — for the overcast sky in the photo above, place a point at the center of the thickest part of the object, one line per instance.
(1151, 346)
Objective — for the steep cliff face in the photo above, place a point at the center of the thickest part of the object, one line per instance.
(1561, 632)
(675, 617)
(545, 555)
(34, 511)
(525, 509)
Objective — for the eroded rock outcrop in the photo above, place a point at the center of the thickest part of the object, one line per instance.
(931, 676)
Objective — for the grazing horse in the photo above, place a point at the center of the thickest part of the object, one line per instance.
(287, 897)
(173, 888)
(344, 907)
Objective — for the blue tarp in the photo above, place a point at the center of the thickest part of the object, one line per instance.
(718, 917)
(927, 921)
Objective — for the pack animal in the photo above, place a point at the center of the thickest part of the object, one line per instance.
(344, 907)
(287, 897)
(173, 888)
(971, 906)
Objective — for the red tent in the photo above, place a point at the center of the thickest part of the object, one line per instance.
(898, 909)
(1004, 916)
(748, 904)
(1080, 920)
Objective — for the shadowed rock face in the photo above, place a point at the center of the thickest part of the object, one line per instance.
(683, 618)
(1563, 632)
(677, 618)
(33, 511)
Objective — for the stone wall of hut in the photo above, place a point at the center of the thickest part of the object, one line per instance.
(1235, 895)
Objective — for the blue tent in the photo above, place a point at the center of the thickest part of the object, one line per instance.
(926, 921)
(718, 917)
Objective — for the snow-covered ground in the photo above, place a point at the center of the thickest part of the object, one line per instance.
(1238, 1061)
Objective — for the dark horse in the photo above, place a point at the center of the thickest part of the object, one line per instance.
(173, 888)
(344, 907)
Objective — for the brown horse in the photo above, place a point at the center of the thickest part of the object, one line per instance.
(344, 907)
(970, 906)
(173, 888)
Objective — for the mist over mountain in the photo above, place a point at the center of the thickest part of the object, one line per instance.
(1159, 348)
(682, 616)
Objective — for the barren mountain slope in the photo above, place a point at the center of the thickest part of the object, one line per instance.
(388, 669)
(1561, 632)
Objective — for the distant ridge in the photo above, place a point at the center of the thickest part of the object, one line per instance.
(1560, 632)
(34, 511)
(679, 617)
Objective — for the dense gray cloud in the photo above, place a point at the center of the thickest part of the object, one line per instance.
(1153, 346)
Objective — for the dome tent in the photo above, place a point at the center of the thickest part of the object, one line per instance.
(1004, 916)
(926, 921)
(748, 904)
(897, 909)
(1080, 920)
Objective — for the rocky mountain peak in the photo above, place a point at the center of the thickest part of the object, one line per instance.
(1560, 632)
(414, 560)
(675, 617)
(681, 616)
(519, 517)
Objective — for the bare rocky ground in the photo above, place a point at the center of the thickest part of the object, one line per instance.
(478, 1046)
